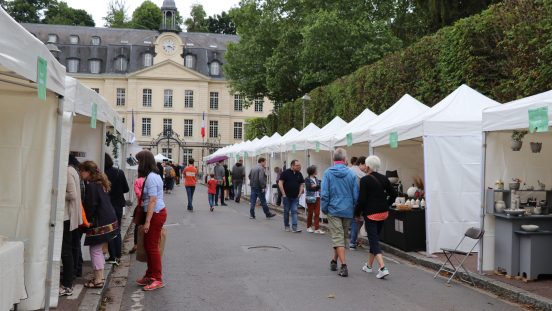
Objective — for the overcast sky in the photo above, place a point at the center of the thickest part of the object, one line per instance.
(98, 8)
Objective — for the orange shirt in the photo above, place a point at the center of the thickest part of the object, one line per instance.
(212, 186)
(190, 173)
(379, 216)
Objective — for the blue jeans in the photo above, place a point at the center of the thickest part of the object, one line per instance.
(355, 230)
(190, 192)
(220, 192)
(257, 192)
(237, 184)
(211, 199)
(290, 205)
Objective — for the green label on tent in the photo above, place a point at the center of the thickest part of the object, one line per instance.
(394, 140)
(349, 139)
(294, 148)
(245, 155)
(538, 119)
(94, 115)
(317, 148)
(41, 77)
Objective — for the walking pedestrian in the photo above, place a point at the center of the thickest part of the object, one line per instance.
(278, 172)
(98, 208)
(190, 173)
(257, 180)
(119, 186)
(339, 195)
(169, 177)
(359, 169)
(376, 195)
(212, 191)
(238, 175)
(77, 234)
(219, 176)
(292, 186)
(138, 186)
(156, 215)
(227, 184)
(312, 186)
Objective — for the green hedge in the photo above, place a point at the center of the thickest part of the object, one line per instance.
(505, 53)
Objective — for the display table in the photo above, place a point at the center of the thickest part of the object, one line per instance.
(535, 253)
(507, 242)
(12, 287)
(405, 230)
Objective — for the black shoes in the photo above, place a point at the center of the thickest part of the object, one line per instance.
(270, 215)
(344, 272)
(333, 265)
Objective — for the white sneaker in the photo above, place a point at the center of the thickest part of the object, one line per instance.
(367, 269)
(320, 231)
(382, 273)
(310, 230)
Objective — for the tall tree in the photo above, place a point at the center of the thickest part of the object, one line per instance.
(221, 23)
(147, 16)
(197, 21)
(117, 15)
(60, 13)
(26, 11)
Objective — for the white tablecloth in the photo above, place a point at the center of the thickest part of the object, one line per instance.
(12, 278)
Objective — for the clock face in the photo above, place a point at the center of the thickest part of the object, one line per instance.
(169, 46)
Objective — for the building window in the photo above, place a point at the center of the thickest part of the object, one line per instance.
(146, 97)
(213, 129)
(52, 38)
(94, 65)
(188, 128)
(189, 61)
(95, 41)
(121, 96)
(278, 106)
(188, 99)
(74, 39)
(187, 154)
(148, 60)
(73, 65)
(167, 125)
(167, 152)
(97, 90)
(238, 130)
(215, 68)
(259, 105)
(146, 126)
(123, 120)
(213, 100)
(238, 102)
(121, 64)
(168, 99)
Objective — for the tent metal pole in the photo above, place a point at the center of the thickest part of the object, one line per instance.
(483, 177)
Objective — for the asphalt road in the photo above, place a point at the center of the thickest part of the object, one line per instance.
(219, 261)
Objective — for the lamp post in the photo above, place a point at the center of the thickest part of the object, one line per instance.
(305, 98)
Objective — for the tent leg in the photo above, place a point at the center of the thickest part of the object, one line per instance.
(483, 176)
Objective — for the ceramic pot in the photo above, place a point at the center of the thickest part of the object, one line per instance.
(516, 145)
(500, 206)
(411, 192)
(513, 186)
(536, 147)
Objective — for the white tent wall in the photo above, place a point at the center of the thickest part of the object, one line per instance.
(504, 164)
(407, 159)
(88, 140)
(322, 160)
(452, 189)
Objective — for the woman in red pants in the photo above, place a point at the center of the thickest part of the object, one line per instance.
(312, 186)
(155, 216)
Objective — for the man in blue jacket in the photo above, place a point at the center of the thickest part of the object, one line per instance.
(339, 195)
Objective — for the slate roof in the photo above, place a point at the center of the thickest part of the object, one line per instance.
(131, 43)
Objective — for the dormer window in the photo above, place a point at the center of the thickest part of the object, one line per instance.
(189, 61)
(95, 41)
(215, 68)
(73, 65)
(94, 65)
(148, 60)
(74, 39)
(121, 64)
(52, 38)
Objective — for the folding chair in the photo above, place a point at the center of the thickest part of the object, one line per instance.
(472, 234)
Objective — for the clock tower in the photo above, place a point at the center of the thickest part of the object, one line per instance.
(168, 23)
(169, 45)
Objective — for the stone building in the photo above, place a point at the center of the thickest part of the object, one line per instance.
(161, 82)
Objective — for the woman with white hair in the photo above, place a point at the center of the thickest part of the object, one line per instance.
(376, 195)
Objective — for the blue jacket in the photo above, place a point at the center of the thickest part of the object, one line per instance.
(339, 192)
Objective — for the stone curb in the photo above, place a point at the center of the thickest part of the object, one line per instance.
(503, 290)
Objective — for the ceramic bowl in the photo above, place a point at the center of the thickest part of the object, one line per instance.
(513, 186)
(530, 228)
(514, 212)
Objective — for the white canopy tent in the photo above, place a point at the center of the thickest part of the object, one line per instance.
(34, 137)
(446, 142)
(339, 138)
(504, 164)
(322, 160)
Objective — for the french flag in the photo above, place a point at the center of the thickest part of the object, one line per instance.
(203, 126)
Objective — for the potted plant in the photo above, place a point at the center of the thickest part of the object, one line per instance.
(536, 147)
(517, 139)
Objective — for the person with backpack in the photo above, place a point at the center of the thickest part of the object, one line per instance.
(169, 177)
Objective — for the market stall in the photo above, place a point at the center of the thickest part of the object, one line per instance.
(317, 154)
(516, 159)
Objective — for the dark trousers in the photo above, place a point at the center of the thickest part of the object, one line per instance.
(279, 199)
(115, 245)
(67, 255)
(373, 229)
(77, 252)
(190, 193)
(220, 193)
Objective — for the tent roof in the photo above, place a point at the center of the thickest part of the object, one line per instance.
(299, 138)
(274, 139)
(328, 130)
(19, 52)
(366, 117)
(515, 114)
(458, 114)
